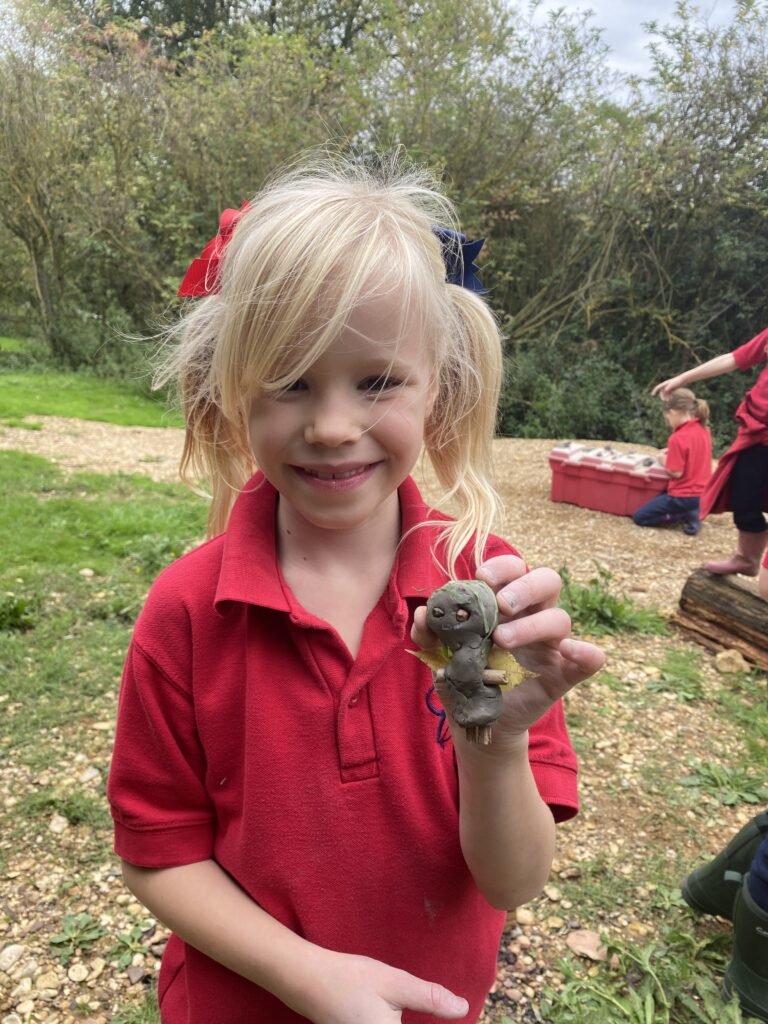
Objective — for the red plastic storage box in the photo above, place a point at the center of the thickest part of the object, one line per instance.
(604, 479)
(565, 472)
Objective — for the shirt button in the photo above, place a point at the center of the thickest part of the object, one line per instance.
(354, 699)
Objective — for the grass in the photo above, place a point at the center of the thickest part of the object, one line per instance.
(18, 346)
(147, 1013)
(667, 981)
(679, 675)
(597, 610)
(80, 396)
(726, 784)
(85, 549)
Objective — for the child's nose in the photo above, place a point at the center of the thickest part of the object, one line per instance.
(333, 423)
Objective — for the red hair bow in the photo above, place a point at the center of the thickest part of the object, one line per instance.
(202, 277)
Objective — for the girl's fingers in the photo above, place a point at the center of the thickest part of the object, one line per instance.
(421, 634)
(520, 595)
(413, 993)
(580, 659)
(550, 625)
(499, 571)
(539, 588)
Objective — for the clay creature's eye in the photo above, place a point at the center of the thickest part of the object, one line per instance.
(462, 615)
(438, 613)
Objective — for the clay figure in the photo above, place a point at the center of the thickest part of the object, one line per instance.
(463, 614)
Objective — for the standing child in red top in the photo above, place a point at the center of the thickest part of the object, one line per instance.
(280, 800)
(688, 462)
(740, 482)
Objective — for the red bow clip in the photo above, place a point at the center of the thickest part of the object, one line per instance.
(202, 277)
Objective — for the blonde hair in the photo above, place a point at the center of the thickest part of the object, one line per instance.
(683, 400)
(315, 243)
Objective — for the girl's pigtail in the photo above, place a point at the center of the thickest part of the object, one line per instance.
(214, 452)
(460, 429)
(701, 411)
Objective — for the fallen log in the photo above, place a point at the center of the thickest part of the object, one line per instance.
(722, 612)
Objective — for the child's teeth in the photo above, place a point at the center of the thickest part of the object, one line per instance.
(337, 476)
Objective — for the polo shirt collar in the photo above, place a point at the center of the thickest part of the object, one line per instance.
(249, 569)
(688, 423)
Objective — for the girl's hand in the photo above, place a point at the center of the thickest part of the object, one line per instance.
(538, 632)
(352, 989)
(666, 387)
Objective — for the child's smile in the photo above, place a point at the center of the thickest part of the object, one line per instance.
(337, 477)
(339, 441)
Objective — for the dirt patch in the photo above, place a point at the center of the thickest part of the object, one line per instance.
(99, 447)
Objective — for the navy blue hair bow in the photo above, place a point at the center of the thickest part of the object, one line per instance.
(459, 255)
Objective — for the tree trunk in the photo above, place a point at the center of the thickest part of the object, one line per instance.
(723, 612)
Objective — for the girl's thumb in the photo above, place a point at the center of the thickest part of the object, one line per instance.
(429, 997)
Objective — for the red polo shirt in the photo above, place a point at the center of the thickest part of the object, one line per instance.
(752, 414)
(248, 734)
(689, 453)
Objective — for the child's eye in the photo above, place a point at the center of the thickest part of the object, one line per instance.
(297, 385)
(379, 383)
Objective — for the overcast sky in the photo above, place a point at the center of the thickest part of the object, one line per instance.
(622, 22)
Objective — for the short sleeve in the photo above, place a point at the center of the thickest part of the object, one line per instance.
(553, 763)
(675, 460)
(752, 352)
(156, 789)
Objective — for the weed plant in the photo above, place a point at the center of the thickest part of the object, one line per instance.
(679, 675)
(78, 932)
(596, 609)
(131, 942)
(668, 981)
(728, 785)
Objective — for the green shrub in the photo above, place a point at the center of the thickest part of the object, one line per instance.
(560, 392)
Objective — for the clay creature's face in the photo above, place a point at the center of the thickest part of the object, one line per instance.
(459, 611)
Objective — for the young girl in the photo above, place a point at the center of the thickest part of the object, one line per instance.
(688, 462)
(740, 482)
(280, 800)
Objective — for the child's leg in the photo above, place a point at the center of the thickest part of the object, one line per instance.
(748, 483)
(656, 512)
(758, 875)
(747, 974)
(692, 524)
(711, 888)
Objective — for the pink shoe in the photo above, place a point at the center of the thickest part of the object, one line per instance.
(746, 560)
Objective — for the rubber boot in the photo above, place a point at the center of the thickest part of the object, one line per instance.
(712, 888)
(747, 974)
(746, 560)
